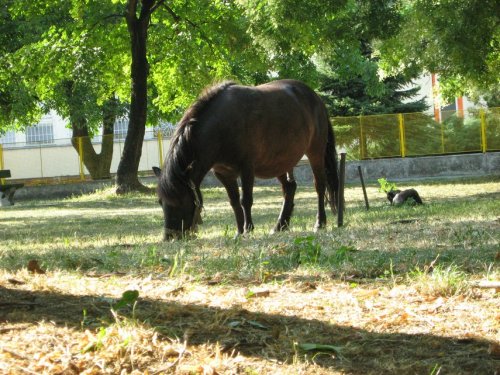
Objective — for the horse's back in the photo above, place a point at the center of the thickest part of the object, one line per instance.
(271, 126)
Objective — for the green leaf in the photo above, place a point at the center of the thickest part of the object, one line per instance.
(129, 297)
(386, 186)
(234, 324)
(256, 324)
(250, 294)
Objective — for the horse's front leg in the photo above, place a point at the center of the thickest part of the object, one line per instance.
(288, 187)
(247, 181)
(233, 192)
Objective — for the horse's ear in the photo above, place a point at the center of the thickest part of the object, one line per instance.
(157, 171)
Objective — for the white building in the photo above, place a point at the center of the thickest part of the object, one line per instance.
(45, 150)
(53, 130)
(429, 89)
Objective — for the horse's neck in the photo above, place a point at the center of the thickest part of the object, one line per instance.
(203, 160)
(199, 170)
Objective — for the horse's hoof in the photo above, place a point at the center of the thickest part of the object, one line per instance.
(247, 233)
(318, 228)
(279, 228)
(249, 228)
(274, 230)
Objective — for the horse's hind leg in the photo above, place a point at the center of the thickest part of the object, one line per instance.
(233, 192)
(247, 181)
(288, 187)
(318, 169)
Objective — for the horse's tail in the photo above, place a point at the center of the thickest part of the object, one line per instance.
(332, 175)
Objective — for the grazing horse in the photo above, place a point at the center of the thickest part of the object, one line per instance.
(247, 132)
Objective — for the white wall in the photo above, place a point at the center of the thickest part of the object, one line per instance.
(59, 159)
(63, 160)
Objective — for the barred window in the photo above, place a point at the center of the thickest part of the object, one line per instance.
(167, 129)
(43, 132)
(8, 138)
(120, 128)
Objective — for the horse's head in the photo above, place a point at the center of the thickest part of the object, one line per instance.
(391, 194)
(182, 214)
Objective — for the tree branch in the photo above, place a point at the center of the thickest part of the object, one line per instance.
(174, 15)
(157, 5)
(178, 18)
(104, 19)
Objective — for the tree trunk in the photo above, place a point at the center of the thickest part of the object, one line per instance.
(127, 174)
(98, 164)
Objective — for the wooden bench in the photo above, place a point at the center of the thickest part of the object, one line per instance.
(7, 190)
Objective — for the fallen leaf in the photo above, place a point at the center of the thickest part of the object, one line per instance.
(15, 282)
(494, 350)
(34, 267)
(252, 294)
(240, 323)
(309, 286)
(256, 324)
(175, 291)
(310, 347)
(214, 280)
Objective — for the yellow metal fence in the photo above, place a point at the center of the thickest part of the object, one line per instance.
(418, 134)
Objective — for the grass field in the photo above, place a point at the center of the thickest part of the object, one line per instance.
(87, 286)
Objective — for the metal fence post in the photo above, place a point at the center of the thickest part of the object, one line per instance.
(442, 136)
(484, 143)
(362, 148)
(402, 139)
(80, 154)
(340, 197)
(364, 187)
(160, 148)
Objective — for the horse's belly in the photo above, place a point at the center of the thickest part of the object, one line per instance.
(275, 167)
(265, 164)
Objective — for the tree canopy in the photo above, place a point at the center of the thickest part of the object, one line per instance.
(191, 45)
(150, 58)
(459, 40)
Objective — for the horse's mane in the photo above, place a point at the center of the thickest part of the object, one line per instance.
(181, 154)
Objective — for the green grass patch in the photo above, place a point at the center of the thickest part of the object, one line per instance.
(103, 232)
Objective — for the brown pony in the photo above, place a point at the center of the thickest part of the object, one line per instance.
(247, 132)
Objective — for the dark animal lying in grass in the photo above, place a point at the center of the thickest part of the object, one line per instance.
(7, 197)
(409, 196)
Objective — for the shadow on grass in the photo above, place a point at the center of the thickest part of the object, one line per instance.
(270, 337)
